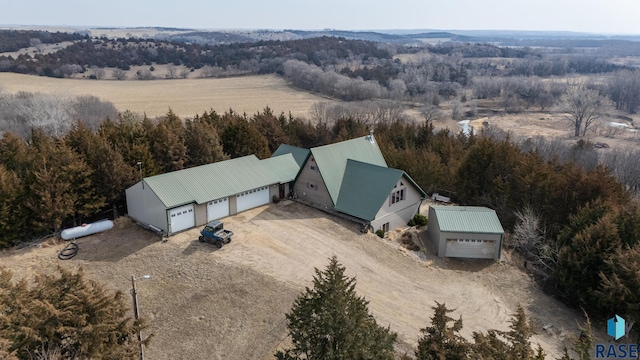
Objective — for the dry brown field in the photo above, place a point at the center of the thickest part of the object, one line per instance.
(186, 97)
(230, 303)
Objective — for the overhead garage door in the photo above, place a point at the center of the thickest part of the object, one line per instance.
(217, 209)
(182, 218)
(250, 199)
(470, 248)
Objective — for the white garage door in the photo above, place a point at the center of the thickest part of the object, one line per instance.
(217, 209)
(250, 199)
(181, 218)
(470, 248)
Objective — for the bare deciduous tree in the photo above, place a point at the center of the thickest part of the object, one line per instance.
(457, 110)
(172, 71)
(37, 43)
(97, 72)
(119, 74)
(432, 113)
(583, 107)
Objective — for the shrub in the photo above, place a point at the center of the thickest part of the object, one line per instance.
(418, 220)
(380, 233)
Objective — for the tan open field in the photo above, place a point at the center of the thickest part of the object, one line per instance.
(186, 97)
(229, 303)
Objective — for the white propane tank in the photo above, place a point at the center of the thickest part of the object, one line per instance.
(86, 229)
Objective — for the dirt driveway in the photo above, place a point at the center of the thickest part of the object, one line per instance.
(229, 303)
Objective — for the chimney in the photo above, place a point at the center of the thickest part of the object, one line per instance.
(370, 137)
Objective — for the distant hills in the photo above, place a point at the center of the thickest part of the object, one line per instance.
(396, 36)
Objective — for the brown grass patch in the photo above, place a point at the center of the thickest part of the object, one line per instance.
(186, 97)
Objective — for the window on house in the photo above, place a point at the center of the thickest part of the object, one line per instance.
(397, 196)
(312, 167)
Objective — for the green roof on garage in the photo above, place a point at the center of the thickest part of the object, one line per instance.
(298, 153)
(468, 219)
(332, 160)
(284, 167)
(212, 181)
(365, 188)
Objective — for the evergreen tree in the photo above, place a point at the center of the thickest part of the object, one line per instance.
(271, 128)
(169, 147)
(65, 315)
(203, 143)
(620, 283)
(331, 321)
(62, 185)
(508, 345)
(442, 341)
(241, 138)
(12, 221)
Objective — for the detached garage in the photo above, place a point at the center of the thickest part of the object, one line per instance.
(465, 232)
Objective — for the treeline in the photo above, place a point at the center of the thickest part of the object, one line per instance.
(257, 57)
(14, 40)
(48, 181)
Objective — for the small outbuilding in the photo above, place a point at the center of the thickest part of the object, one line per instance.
(465, 232)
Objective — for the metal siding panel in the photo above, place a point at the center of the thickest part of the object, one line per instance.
(145, 207)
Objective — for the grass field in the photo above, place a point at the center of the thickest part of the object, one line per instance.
(186, 97)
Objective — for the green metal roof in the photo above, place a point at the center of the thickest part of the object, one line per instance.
(468, 219)
(299, 154)
(284, 167)
(212, 181)
(332, 160)
(365, 187)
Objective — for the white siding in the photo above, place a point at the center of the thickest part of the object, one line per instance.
(398, 214)
(145, 207)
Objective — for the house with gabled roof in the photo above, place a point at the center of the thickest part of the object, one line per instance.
(352, 178)
(349, 178)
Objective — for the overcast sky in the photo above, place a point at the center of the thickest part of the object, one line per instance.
(596, 16)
